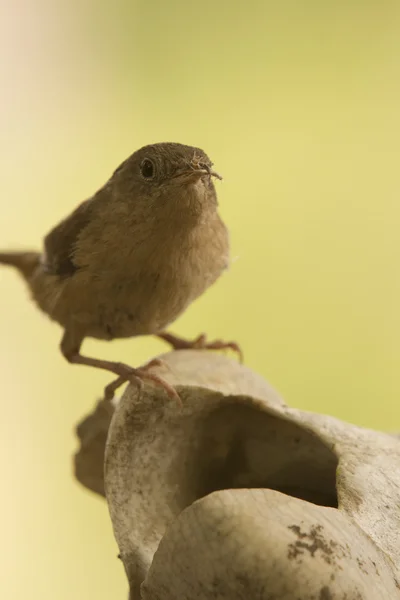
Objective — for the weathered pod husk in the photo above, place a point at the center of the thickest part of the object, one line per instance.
(92, 433)
(234, 495)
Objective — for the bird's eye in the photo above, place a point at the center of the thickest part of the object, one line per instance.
(147, 168)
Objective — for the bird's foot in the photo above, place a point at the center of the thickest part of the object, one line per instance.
(200, 343)
(70, 347)
(138, 376)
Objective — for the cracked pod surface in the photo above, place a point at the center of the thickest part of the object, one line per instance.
(236, 496)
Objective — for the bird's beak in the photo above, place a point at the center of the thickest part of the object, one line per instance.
(197, 172)
(211, 172)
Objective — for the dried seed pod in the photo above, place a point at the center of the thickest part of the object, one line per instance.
(237, 496)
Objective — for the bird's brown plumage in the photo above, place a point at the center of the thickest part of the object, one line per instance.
(131, 258)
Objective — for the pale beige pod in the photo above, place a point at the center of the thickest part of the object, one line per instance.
(234, 495)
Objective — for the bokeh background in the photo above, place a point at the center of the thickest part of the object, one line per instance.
(298, 106)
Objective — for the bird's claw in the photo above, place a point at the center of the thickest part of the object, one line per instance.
(220, 345)
(200, 343)
(137, 376)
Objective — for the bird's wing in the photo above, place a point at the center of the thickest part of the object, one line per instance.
(59, 244)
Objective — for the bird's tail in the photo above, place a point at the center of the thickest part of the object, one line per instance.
(25, 262)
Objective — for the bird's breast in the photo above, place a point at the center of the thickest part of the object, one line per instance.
(153, 294)
(145, 291)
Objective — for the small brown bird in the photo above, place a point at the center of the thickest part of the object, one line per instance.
(131, 258)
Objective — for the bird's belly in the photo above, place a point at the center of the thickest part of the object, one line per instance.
(148, 304)
(108, 305)
(144, 306)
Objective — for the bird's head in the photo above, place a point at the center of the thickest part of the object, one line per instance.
(168, 175)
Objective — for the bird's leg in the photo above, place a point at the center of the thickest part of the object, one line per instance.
(70, 348)
(199, 343)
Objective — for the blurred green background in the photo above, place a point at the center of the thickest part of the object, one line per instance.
(298, 106)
